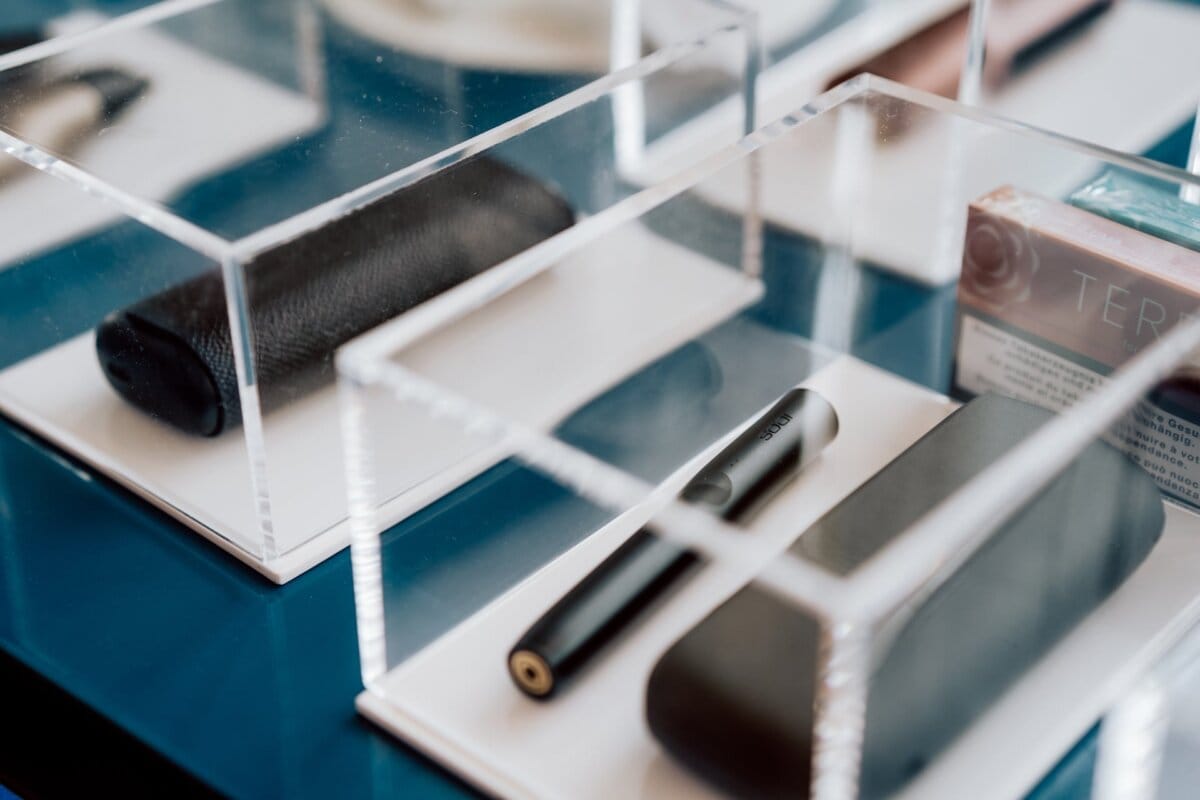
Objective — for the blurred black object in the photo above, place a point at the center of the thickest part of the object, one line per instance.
(734, 698)
(172, 355)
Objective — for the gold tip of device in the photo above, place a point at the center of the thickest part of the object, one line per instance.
(531, 672)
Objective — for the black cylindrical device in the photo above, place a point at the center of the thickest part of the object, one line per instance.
(171, 355)
(735, 484)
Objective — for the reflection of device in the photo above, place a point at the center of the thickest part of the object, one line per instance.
(741, 478)
(1016, 30)
(733, 699)
(549, 36)
(58, 116)
(179, 126)
(172, 354)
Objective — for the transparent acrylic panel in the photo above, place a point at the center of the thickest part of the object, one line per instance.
(319, 177)
(1124, 75)
(70, 258)
(33, 23)
(879, 604)
(1148, 739)
(306, 96)
(810, 47)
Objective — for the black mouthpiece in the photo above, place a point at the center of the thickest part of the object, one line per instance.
(118, 88)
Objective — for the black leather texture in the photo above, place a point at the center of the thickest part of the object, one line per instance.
(171, 355)
(733, 699)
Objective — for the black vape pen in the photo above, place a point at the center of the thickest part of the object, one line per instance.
(735, 484)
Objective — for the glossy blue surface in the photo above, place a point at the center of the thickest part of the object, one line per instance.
(34, 13)
(1072, 779)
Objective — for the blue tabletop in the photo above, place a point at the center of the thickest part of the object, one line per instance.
(246, 685)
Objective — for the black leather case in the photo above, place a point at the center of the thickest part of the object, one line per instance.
(733, 699)
(171, 355)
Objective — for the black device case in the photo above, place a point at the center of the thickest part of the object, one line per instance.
(172, 355)
(733, 699)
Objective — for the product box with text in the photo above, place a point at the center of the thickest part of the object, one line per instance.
(1053, 298)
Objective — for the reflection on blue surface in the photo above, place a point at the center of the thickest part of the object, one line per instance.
(892, 322)
(670, 411)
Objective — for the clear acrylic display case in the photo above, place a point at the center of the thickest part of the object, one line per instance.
(198, 209)
(933, 619)
(806, 48)
(31, 23)
(1148, 741)
(1120, 74)
(1124, 75)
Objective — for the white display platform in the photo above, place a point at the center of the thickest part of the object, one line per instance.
(1125, 101)
(456, 702)
(666, 295)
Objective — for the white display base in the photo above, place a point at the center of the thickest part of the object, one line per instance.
(455, 701)
(616, 308)
(62, 395)
(1126, 101)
